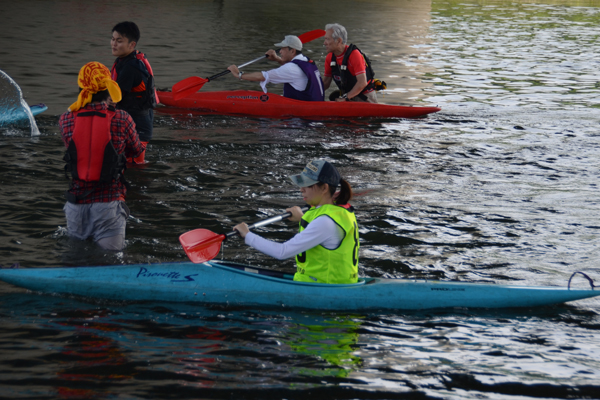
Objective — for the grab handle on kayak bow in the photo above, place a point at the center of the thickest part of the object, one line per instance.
(585, 276)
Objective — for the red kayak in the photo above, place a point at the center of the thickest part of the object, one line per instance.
(269, 105)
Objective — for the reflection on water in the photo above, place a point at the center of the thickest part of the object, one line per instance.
(333, 340)
(501, 186)
(486, 47)
(103, 350)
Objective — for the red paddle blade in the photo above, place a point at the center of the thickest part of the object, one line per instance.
(201, 245)
(187, 87)
(312, 35)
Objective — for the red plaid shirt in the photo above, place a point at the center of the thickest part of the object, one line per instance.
(124, 138)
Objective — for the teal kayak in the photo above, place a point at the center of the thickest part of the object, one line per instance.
(233, 284)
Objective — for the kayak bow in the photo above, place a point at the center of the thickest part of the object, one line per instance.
(233, 284)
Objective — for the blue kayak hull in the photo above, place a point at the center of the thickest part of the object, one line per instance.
(235, 284)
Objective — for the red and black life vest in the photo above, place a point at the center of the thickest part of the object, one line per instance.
(91, 155)
(144, 96)
(344, 79)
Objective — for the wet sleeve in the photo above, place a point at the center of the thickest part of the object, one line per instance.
(133, 148)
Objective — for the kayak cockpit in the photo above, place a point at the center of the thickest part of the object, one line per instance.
(272, 274)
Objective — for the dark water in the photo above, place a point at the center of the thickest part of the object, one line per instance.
(501, 186)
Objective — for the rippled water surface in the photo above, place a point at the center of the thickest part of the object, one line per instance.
(501, 186)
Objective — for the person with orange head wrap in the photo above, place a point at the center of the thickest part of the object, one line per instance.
(93, 78)
(98, 139)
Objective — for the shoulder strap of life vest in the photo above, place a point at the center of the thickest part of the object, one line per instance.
(150, 87)
(347, 80)
(368, 68)
(142, 57)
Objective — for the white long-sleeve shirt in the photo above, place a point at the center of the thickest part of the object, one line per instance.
(287, 73)
(321, 231)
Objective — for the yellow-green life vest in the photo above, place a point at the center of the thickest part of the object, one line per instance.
(322, 265)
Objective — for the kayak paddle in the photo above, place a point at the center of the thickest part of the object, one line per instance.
(202, 245)
(191, 85)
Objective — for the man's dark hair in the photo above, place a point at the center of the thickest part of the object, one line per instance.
(100, 96)
(128, 29)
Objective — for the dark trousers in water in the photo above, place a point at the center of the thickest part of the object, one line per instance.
(143, 124)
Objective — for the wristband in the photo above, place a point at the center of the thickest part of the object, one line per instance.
(240, 75)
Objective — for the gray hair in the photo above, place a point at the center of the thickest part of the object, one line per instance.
(337, 31)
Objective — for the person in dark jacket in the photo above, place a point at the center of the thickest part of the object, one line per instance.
(133, 73)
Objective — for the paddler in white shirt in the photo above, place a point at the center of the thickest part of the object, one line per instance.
(326, 247)
(299, 74)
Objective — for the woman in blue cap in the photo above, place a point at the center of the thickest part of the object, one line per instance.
(326, 246)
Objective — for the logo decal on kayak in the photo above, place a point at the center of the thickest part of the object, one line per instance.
(264, 97)
(246, 97)
(173, 276)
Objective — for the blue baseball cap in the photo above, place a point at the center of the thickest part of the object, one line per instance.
(317, 171)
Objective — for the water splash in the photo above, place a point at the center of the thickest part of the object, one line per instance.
(14, 110)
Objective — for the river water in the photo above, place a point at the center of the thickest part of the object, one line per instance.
(500, 186)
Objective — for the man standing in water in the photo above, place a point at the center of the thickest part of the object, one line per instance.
(347, 67)
(98, 140)
(133, 73)
(299, 74)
